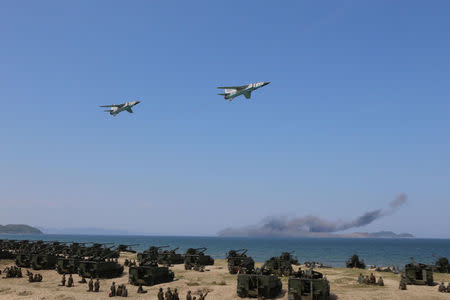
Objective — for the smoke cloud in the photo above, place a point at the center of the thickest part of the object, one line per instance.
(312, 225)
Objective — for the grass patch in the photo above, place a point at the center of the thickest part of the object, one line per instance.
(192, 283)
(219, 283)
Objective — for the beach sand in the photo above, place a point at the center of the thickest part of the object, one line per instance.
(216, 279)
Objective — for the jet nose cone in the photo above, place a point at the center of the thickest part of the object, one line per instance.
(266, 83)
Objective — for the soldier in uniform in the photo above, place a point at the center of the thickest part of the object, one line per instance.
(141, 290)
(188, 295)
(113, 290)
(119, 290)
(402, 284)
(380, 281)
(360, 278)
(175, 294)
(63, 280)
(124, 291)
(442, 288)
(168, 294)
(372, 279)
(448, 287)
(91, 285)
(97, 286)
(160, 294)
(70, 281)
(30, 277)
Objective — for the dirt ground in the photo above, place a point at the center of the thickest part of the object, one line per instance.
(216, 279)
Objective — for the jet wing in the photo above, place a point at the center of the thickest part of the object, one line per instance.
(240, 87)
(248, 94)
(112, 105)
(129, 110)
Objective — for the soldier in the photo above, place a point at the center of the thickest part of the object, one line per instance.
(19, 273)
(360, 278)
(366, 279)
(372, 279)
(168, 294)
(30, 277)
(402, 284)
(380, 281)
(70, 281)
(175, 294)
(188, 295)
(442, 288)
(160, 294)
(112, 293)
(83, 280)
(97, 286)
(63, 280)
(91, 285)
(126, 263)
(141, 290)
(124, 291)
(448, 287)
(119, 290)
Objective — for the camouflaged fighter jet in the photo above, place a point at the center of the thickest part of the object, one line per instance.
(117, 108)
(246, 90)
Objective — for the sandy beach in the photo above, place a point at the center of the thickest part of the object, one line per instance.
(216, 279)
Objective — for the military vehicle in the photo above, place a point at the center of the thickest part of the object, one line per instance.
(23, 260)
(170, 257)
(289, 257)
(45, 261)
(418, 274)
(149, 275)
(308, 284)
(442, 265)
(279, 266)
(99, 269)
(195, 258)
(258, 286)
(239, 262)
(354, 262)
(126, 248)
(67, 265)
(150, 255)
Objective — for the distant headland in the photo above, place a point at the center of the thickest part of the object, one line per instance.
(18, 229)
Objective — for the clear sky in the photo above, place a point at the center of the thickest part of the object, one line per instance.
(358, 112)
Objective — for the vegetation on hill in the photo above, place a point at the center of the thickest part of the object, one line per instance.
(19, 229)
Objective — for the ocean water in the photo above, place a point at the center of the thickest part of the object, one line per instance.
(331, 251)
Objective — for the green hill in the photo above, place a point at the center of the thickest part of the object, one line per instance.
(19, 229)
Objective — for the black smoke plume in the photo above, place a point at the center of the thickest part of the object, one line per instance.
(311, 225)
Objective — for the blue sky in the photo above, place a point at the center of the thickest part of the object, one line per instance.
(357, 113)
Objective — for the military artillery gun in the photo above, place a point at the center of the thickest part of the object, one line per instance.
(239, 262)
(308, 284)
(7, 249)
(258, 286)
(101, 266)
(126, 248)
(148, 272)
(195, 258)
(280, 266)
(354, 262)
(289, 257)
(442, 265)
(170, 257)
(150, 255)
(418, 274)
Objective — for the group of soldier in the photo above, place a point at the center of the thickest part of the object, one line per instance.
(444, 289)
(34, 278)
(12, 272)
(370, 279)
(69, 281)
(169, 295)
(92, 286)
(119, 291)
(129, 263)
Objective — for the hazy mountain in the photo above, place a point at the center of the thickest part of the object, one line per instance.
(19, 229)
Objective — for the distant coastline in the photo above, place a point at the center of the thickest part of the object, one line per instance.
(18, 229)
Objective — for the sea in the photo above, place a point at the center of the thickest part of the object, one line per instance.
(330, 251)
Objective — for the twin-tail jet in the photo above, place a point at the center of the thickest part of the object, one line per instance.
(232, 92)
(115, 109)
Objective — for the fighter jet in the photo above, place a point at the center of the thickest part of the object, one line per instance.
(233, 91)
(117, 108)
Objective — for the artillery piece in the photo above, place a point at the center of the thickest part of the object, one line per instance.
(308, 284)
(257, 285)
(126, 248)
(101, 266)
(277, 266)
(148, 272)
(196, 259)
(170, 257)
(418, 274)
(239, 262)
(354, 262)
